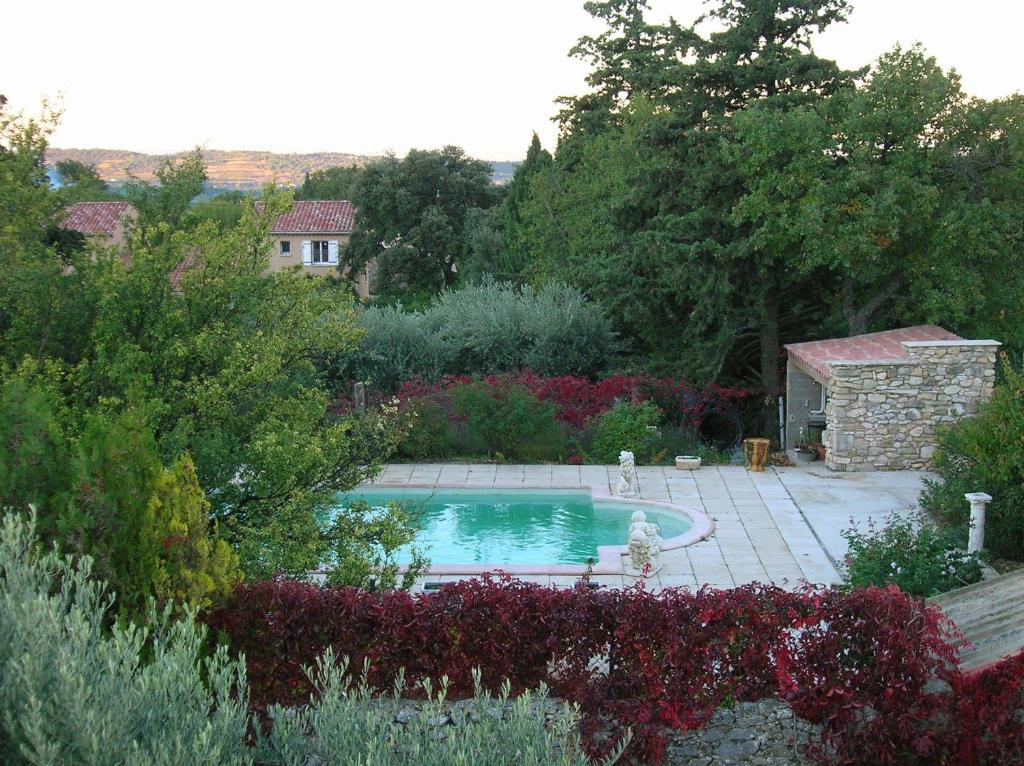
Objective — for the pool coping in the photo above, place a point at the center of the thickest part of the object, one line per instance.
(609, 557)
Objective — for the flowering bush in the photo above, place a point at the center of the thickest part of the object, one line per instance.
(915, 555)
(862, 664)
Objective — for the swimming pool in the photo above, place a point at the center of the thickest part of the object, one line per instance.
(528, 530)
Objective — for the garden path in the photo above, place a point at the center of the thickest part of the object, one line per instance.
(780, 526)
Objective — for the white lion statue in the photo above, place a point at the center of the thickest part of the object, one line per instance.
(627, 470)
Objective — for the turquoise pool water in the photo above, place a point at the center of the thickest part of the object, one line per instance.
(462, 526)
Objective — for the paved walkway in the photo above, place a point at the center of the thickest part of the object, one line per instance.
(780, 526)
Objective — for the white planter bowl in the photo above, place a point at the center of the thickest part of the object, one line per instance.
(687, 462)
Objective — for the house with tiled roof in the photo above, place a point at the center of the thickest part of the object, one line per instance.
(313, 234)
(101, 222)
(877, 401)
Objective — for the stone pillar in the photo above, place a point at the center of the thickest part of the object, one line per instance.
(978, 501)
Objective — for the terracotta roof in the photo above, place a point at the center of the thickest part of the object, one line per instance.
(96, 217)
(316, 217)
(875, 346)
(176, 275)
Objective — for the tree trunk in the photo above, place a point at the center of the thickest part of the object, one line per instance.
(770, 368)
(858, 317)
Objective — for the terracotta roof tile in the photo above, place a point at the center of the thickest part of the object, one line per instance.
(96, 217)
(186, 264)
(876, 346)
(316, 217)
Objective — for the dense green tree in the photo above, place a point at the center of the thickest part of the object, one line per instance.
(724, 190)
(412, 218)
(81, 182)
(220, 362)
(329, 183)
(895, 190)
(495, 237)
(676, 267)
(628, 62)
(569, 226)
(27, 206)
(487, 251)
(225, 209)
(105, 513)
(34, 452)
(225, 364)
(168, 201)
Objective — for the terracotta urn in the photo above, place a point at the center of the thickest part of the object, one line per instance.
(756, 451)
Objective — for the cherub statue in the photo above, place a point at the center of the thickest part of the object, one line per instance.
(639, 551)
(651, 531)
(627, 470)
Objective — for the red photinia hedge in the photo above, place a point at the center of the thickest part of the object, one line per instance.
(872, 667)
(580, 399)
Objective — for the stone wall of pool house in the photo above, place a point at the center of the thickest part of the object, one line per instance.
(884, 415)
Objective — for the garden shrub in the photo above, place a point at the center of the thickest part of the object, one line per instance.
(915, 555)
(565, 334)
(984, 454)
(346, 724)
(510, 421)
(74, 692)
(627, 426)
(396, 347)
(366, 541)
(430, 434)
(194, 566)
(863, 663)
(34, 453)
(481, 329)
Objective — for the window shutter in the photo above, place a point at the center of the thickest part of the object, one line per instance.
(307, 252)
(332, 252)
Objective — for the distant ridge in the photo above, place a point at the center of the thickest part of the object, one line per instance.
(235, 169)
(228, 169)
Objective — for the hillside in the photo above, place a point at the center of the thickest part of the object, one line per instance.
(228, 169)
(234, 169)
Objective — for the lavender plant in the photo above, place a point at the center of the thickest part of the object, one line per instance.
(345, 724)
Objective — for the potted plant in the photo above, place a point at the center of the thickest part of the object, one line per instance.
(805, 453)
(820, 449)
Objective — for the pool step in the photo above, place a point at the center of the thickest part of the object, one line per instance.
(990, 614)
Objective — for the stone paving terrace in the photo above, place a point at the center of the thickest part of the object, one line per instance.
(780, 526)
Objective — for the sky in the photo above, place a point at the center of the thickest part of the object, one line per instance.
(386, 75)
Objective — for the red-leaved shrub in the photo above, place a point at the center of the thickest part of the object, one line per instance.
(872, 667)
(578, 399)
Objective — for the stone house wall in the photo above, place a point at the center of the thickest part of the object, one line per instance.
(884, 415)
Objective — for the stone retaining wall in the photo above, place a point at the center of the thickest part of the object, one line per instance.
(884, 415)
